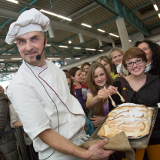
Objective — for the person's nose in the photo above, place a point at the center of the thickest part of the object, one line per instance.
(29, 46)
(99, 78)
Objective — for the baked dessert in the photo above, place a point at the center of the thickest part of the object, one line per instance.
(133, 119)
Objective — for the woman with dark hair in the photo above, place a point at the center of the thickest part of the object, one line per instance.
(84, 76)
(78, 90)
(141, 88)
(70, 84)
(97, 96)
(152, 51)
(76, 76)
(85, 66)
(104, 60)
(89, 127)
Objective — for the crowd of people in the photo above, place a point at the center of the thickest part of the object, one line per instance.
(59, 109)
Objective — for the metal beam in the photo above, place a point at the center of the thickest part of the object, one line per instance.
(154, 26)
(89, 29)
(146, 4)
(105, 5)
(104, 35)
(19, 12)
(149, 17)
(121, 10)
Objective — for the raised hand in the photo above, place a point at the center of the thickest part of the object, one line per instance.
(97, 120)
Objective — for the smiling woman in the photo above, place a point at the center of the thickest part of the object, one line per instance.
(76, 76)
(142, 88)
(152, 51)
(97, 95)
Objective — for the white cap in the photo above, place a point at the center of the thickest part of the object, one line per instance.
(29, 21)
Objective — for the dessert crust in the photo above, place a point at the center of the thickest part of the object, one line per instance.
(134, 120)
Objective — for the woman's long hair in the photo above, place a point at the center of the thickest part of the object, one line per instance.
(98, 108)
(155, 48)
(72, 87)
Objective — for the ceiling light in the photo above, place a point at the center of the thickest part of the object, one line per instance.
(48, 45)
(155, 7)
(91, 49)
(77, 58)
(77, 47)
(101, 50)
(6, 54)
(56, 15)
(68, 58)
(53, 58)
(14, 1)
(69, 41)
(113, 35)
(16, 58)
(63, 46)
(1, 60)
(100, 30)
(159, 15)
(130, 40)
(86, 25)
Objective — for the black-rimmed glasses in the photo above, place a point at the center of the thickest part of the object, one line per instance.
(130, 64)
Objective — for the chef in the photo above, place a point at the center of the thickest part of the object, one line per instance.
(39, 92)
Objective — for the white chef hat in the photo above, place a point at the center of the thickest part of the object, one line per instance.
(29, 21)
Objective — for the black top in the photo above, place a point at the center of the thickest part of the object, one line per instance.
(148, 94)
(155, 70)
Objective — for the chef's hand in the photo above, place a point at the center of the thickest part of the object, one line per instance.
(112, 90)
(97, 152)
(102, 94)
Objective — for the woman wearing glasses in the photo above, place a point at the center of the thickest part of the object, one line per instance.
(142, 88)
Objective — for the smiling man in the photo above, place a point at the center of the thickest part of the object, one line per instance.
(30, 45)
(39, 92)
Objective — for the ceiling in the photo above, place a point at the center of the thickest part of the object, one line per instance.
(139, 16)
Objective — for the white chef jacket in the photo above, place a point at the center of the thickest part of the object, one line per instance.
(30, 95)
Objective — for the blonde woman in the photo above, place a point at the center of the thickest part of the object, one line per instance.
(104, 60)
(116, 55)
